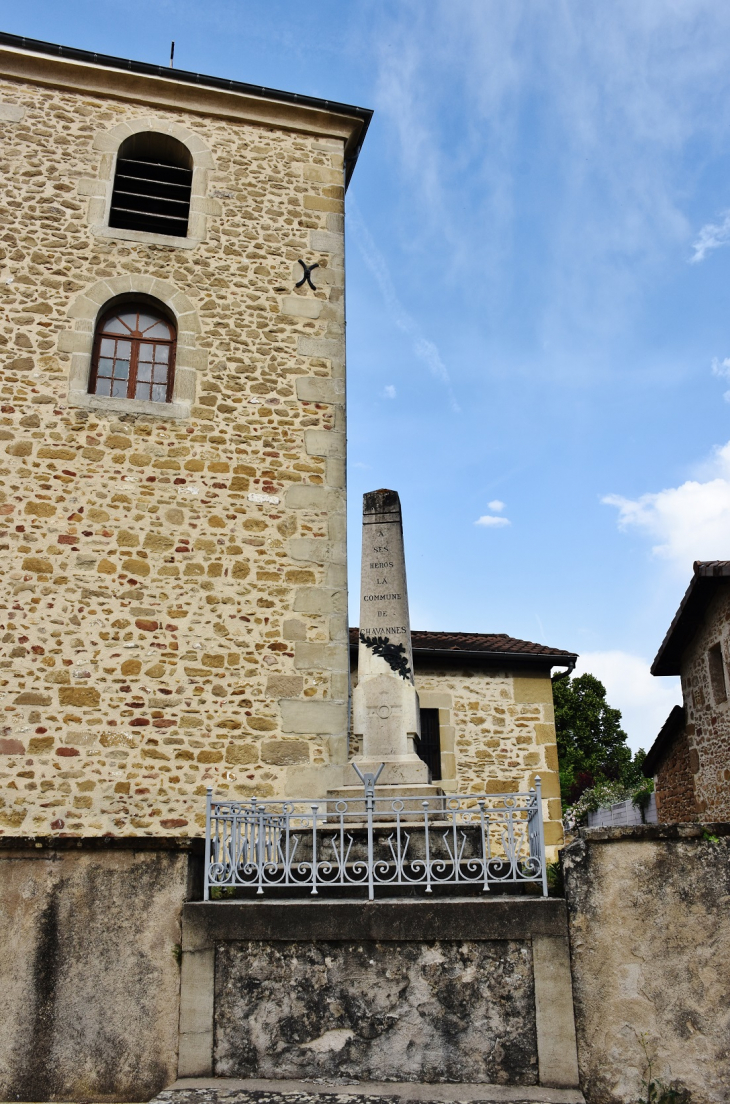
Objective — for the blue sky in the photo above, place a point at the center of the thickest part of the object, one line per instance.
(538, 291)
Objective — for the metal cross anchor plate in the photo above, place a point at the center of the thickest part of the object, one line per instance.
(307, 277)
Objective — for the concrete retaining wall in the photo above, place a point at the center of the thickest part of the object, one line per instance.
(649, 912)
(89, 967)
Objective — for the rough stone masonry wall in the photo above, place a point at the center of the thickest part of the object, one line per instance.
(708, 720)
(497, 732)
(414, 1011)
(675, 791)
(172, 593)
(649, 915)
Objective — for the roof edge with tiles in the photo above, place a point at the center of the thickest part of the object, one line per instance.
(708, 575)
(483, 648)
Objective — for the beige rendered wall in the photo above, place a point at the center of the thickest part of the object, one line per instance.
(708, 719)
(650, 953)
(90, 969)
(172, 590)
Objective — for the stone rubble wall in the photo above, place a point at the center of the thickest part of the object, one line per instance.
(497, 732)
(708, 720)
(648, 911)
(172, 592)
(675, 784)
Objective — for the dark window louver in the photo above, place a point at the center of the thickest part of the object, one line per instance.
(151, 197)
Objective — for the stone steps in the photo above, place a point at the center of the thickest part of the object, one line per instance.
(220, 1090)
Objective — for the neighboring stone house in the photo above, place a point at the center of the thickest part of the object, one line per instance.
(173, 588)
(690, 758)
(487, 719)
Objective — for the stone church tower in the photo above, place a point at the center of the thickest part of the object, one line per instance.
(173, 608)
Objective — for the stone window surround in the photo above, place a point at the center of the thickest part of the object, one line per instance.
(87, 308)
(100, 189)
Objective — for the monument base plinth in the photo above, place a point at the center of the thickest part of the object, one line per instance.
(398, 770)
(390, 793)
(407, 802)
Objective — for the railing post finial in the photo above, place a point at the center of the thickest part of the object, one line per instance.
(368, 780)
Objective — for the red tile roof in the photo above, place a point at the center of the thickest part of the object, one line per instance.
(483, 646)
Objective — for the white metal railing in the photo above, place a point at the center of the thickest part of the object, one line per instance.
(455, 841)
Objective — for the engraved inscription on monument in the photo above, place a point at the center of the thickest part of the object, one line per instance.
(384, 622)
(385, 702)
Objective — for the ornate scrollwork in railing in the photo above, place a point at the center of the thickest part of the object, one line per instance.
(454, 841)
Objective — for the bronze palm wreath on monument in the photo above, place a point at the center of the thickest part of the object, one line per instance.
(395, 655)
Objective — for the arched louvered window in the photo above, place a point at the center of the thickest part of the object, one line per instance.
(134, 354)
(152, 185)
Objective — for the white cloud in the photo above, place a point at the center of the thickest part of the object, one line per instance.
(645, 701)
(721, 368)
(712, 236)
(689, 522)
(389, 391)
(496, 506)
(491, 522)
(624, 90)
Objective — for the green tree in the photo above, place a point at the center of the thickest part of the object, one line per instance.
(592, 745)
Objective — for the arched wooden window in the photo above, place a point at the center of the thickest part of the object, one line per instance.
(134, 355)
(152, 185)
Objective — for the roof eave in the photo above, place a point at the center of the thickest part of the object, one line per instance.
(359, 117)
(656, 753)
(500, 659)
(686, 621)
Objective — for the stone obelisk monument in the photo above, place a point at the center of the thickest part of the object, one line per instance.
(384, 702)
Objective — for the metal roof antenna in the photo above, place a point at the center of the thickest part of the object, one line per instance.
(172, 52)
